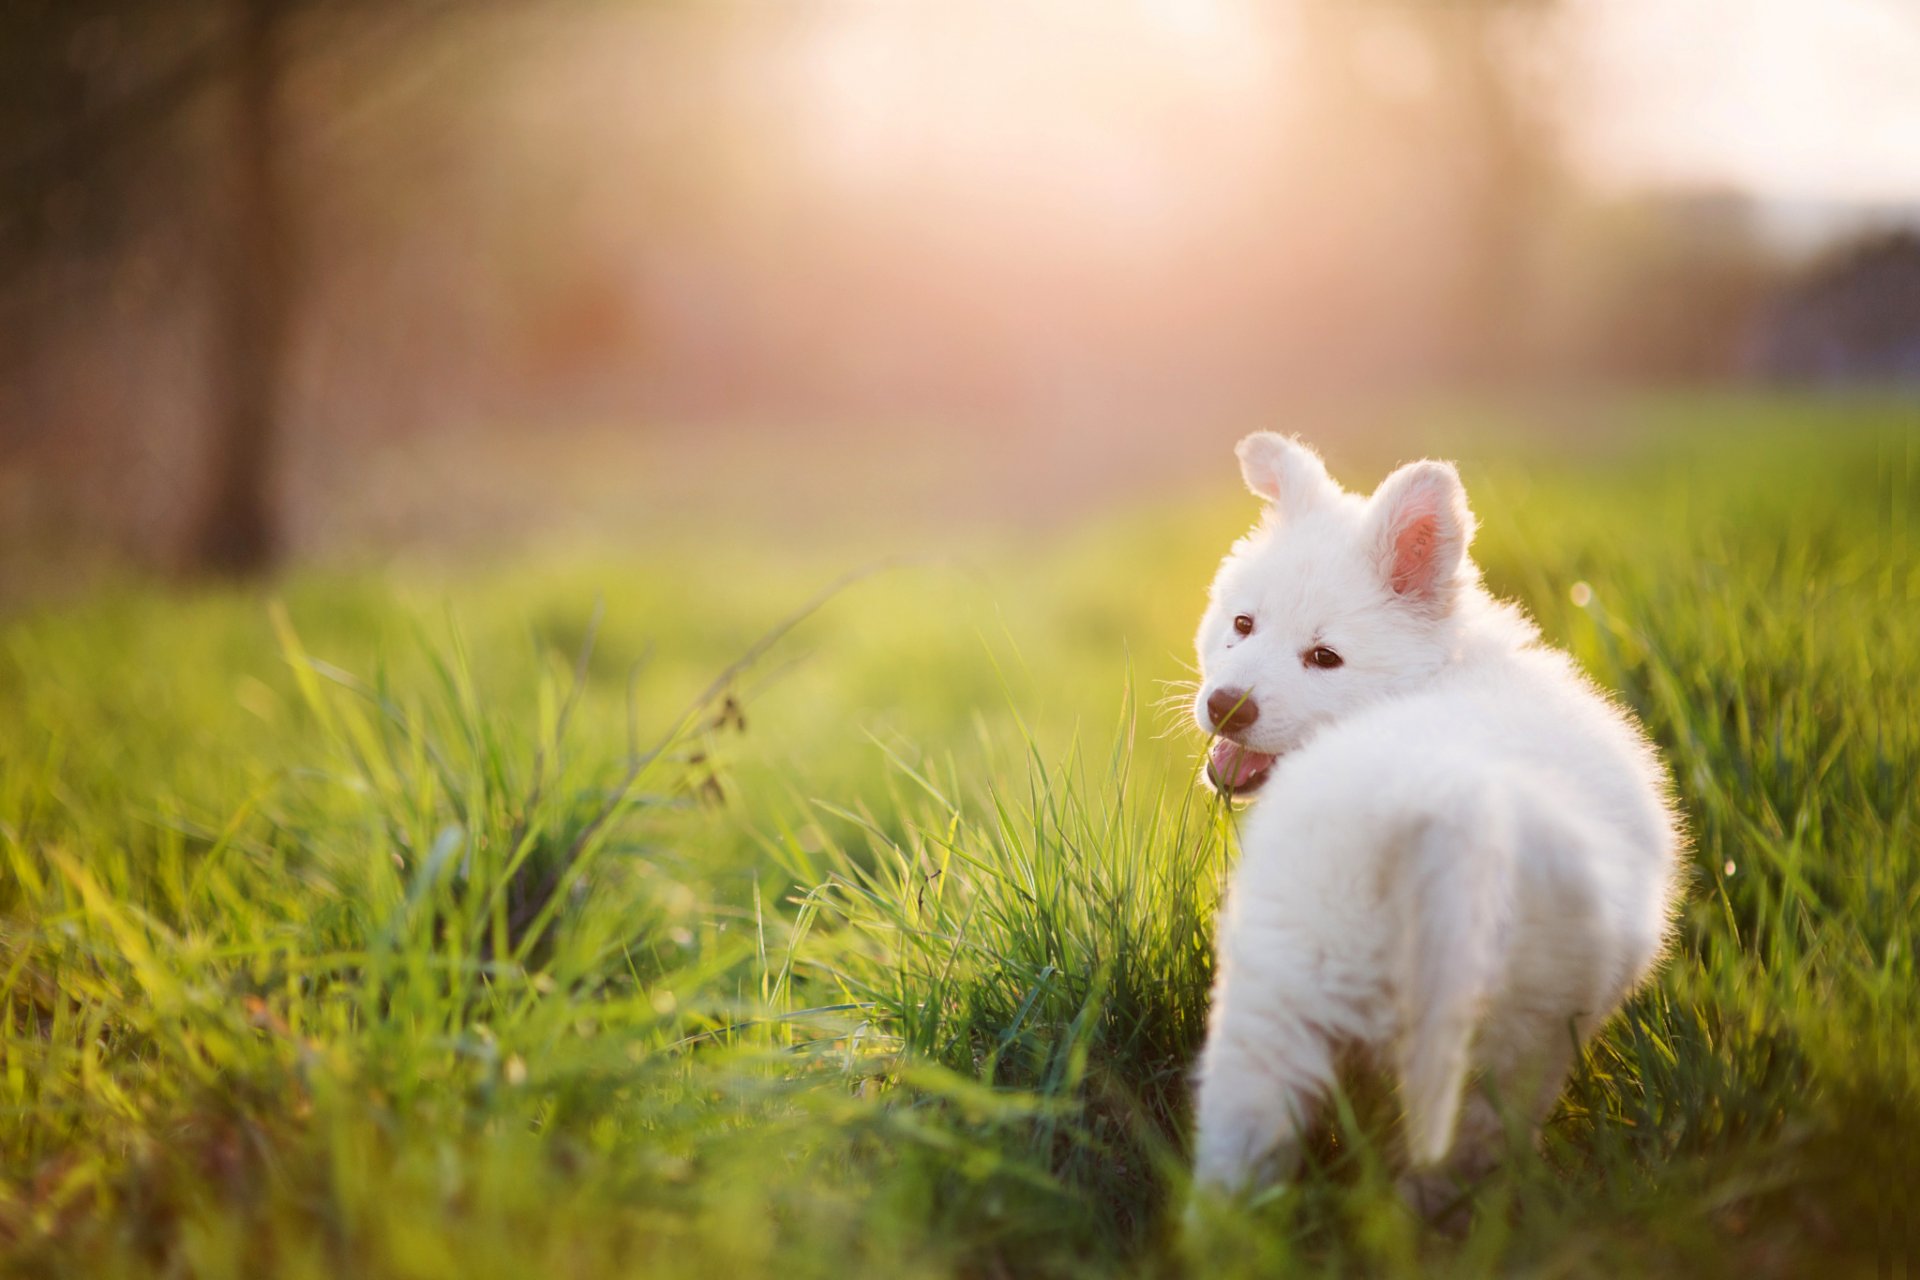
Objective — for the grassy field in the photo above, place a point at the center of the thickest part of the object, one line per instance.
(612, 914)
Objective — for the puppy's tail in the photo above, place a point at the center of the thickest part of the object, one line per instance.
(1455, 916)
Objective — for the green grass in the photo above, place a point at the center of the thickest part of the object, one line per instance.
(437, 922)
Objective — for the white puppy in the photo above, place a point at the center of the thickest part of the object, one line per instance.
(1462, 856)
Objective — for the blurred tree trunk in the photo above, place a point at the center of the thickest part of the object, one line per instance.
(1515, 152)
(238, 530)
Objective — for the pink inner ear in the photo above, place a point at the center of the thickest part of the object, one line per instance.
(1413, 558)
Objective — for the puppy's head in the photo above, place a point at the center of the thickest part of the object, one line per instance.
(1333, 601)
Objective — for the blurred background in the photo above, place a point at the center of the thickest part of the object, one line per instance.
(286, 280)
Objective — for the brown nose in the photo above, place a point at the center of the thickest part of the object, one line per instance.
(1232, 710)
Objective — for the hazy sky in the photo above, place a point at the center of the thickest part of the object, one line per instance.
(1787, 99)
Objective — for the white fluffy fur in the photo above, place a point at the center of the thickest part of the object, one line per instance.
(1465, 858)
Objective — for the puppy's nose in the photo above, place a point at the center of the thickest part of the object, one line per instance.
(1232, 710)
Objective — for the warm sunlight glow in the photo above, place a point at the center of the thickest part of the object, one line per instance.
(1094, 100)
(1787, 99)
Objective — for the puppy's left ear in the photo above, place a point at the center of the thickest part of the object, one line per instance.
(1285, 472)
(1420, 527)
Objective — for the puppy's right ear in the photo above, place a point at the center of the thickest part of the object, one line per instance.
(1284, 471)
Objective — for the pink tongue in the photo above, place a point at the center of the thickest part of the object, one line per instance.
(1234, 765)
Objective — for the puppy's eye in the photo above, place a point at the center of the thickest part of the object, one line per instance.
(1323, 657)
(1244, 624)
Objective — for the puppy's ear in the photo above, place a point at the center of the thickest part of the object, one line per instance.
(1420, 527)
(1284, 471)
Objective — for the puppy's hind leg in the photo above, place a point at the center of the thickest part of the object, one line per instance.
(1452, 901)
